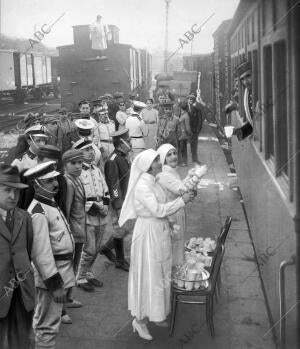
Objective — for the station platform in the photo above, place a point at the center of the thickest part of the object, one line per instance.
(240, 316)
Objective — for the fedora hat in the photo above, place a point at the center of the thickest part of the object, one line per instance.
(9, 176)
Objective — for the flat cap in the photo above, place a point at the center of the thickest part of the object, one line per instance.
(191, 96)
(50, 118)
(49, 151)
(72, 154)
(44, 170)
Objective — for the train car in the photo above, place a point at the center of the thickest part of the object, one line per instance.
(22, 74)
(88, 73)
(178, 83)
(266, 34)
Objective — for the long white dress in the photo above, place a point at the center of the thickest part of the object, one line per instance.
(151, 252)
(173, 186)
(151, 120)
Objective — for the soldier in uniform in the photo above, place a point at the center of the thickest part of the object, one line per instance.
(167, 130)
(106, 128)
(96, 208)
(85, 129)
(244, 73)
(52, 253)
(25, 158)
(117, 171)
(60, 130)
(137, 128)
(85, 113)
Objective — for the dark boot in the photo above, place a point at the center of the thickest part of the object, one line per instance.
(121, 263)
(106, 250)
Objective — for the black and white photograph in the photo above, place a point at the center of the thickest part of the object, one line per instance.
(149, 174)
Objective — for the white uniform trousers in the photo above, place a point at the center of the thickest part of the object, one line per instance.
(46, 319)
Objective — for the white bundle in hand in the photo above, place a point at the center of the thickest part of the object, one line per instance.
(194, 176)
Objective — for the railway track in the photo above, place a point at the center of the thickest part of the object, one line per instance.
(12, 120)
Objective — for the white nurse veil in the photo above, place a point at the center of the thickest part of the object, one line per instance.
(163, 151)
(140, 165)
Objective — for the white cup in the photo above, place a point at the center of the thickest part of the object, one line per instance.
(228, 131)
(188, 285)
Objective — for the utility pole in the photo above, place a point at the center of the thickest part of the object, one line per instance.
(0, 21)
(166, 36)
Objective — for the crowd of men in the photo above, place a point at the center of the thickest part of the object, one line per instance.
(59, 187)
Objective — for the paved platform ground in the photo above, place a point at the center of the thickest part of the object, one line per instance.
(241, 320)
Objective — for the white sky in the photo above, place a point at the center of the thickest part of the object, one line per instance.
(141, 22)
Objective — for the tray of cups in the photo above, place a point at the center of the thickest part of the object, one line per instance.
(191, 280)
(206, 245)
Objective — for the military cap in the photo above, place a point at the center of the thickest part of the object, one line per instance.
(44, 170)
(49, 151)
(118, 95)
(97, 101)
(36, 130)
(31, 119)
(84, 101)
(167, 104)
(84, 126)
(50, 118)
(191, 96)
(82, 143)
(72, 154)
(243, 69)
(108, 96)
(131, 96)
(139, 104)
(120, 134)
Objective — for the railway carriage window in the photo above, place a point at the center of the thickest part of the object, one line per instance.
(267, 102)
(281, 106)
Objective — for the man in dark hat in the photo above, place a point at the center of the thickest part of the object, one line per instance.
(16, 277)
(52, 254)
(117, 171)
(196, 119)
(244, 73)
(113, 107)
(167, 126)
